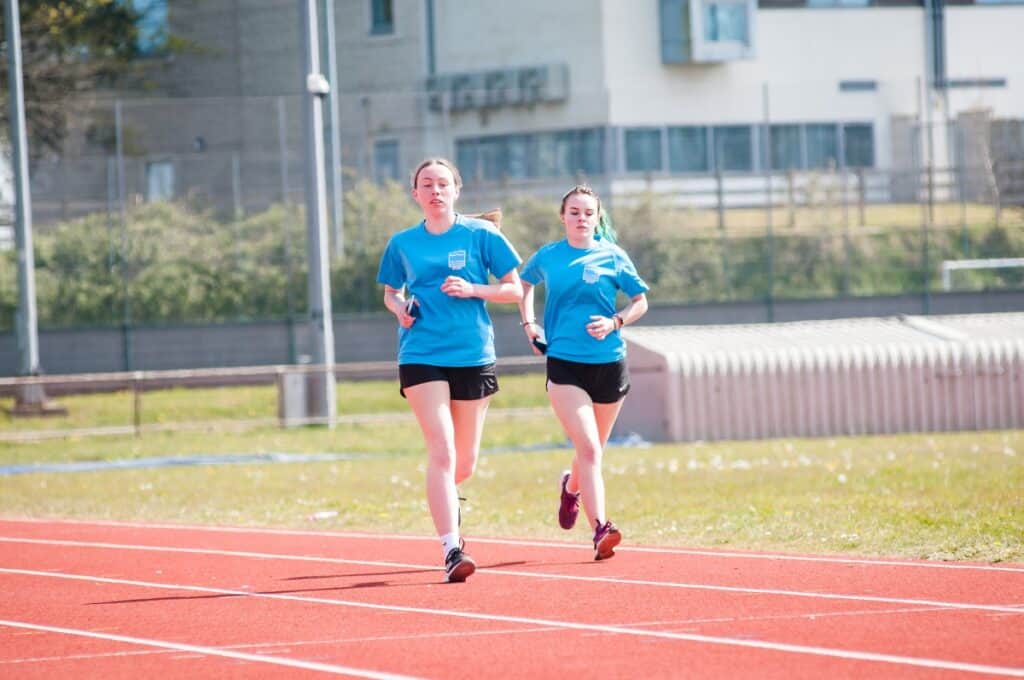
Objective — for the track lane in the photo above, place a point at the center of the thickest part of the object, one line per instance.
(194, 566)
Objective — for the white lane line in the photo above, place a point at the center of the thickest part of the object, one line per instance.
(850, 655)
(285, 646)
(939, 604)
(780, 557)
(211, 651)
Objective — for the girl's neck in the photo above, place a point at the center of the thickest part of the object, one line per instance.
(439, 224)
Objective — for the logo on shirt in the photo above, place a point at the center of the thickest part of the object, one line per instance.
(591, 273)
(456, 259)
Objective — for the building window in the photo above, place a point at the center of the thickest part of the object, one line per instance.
(466, 159)
(706, 30)
(151, 26)
(385, 161)
(688, 149)
(546, 154)
(643, 149)
(382, 17)
(786, 149)
(822, 146)
(726, 22)
(733, 148)
(858, 145)
(159, 181)
(839, 3)
(676, 45)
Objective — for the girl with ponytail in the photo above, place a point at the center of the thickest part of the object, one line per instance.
(587, 378)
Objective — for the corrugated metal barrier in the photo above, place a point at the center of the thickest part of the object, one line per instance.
(825, 378)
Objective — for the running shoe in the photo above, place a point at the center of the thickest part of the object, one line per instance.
(458, 566)
(569, 508)
(605, 539)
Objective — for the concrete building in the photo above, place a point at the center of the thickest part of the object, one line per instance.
(527, 95)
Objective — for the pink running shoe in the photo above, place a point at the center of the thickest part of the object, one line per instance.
(605, 539)
(569, 508)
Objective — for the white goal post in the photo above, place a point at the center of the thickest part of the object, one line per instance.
(949, 266)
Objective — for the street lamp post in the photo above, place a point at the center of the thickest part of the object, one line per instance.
(321, 385)
(31, 397)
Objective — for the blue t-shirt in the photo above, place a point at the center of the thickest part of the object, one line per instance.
(449, 331)
(582, 282)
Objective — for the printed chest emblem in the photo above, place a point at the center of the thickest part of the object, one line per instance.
(591, 273)
(456, 260)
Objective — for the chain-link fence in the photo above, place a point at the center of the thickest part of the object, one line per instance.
(171, 210)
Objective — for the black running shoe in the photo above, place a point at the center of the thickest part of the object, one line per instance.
(458, 566)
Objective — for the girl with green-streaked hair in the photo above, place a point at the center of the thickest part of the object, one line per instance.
(587, 378)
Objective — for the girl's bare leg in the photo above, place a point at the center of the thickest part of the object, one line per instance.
(468, 418)
(432, 406)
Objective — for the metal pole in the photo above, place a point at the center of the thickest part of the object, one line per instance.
(321, 319)
(770, 228)
(282, 141)
(337, 197)
(126, 320)
(28, 331)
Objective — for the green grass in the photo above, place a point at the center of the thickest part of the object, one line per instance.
(956, 496)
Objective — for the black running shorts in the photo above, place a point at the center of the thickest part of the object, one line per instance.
(605, 383)
(465, 383)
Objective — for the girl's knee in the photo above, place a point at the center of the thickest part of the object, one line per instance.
(441, 458)
(588, 453)
(464, 469)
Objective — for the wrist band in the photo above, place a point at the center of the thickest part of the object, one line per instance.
(527, 323)
(620, 321)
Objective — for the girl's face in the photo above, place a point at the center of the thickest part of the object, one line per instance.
(580, 217)
(435, 190)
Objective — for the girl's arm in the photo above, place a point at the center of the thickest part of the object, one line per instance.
(395, 302)
(636, 308)
(508, 289)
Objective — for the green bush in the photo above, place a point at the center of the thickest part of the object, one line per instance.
(180, 265)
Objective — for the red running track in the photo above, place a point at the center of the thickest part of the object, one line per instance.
(110, 600)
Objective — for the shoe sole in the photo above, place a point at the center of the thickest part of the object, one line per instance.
(461, 571)
(606, 548)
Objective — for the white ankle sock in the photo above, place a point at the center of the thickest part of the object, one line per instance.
(449, 541)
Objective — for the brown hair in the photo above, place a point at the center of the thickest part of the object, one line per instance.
(605, 229)
(444, 162)
(580, 189)
(492, 216)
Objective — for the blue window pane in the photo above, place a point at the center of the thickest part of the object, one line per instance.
(838, 3)
(688, 149)
(517, 155)
(385, 161)
(546, 156)
(643, 150)
(859, 145)
(675, 31)
(159, 181)
(733, 147)
(382, 17)
(590, 151)
(466, 159)
(822, 146)
(786, 154)
(725, 22)
(151, 25)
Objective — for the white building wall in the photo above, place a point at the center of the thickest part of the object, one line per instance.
(984, 42)
(479, 36)
(802, 55)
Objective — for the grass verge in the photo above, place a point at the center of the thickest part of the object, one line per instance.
(956, 496)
